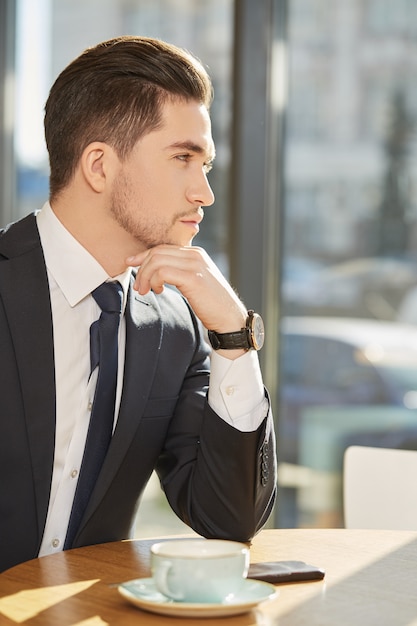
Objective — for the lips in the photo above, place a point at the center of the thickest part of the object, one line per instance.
(194, 219)
(193, 222)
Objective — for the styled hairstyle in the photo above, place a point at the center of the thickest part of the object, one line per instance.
(114, 92)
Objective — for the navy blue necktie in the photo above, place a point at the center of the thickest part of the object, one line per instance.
(103, 352)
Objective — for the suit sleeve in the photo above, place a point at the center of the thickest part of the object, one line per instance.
(219, 480)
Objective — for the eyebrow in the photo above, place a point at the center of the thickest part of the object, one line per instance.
(192, 147)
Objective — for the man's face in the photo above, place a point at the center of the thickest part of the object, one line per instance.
(162, 186)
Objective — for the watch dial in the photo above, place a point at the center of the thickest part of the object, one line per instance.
(258, 332)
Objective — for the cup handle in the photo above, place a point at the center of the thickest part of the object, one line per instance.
(161, 580)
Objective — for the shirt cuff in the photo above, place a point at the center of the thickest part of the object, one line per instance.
(236, 391)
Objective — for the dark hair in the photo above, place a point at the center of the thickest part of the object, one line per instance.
(114, 92)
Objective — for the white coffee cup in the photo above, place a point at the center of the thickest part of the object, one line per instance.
(199, 570)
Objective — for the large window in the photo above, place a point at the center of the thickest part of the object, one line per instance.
(348, 365)
(314, 119)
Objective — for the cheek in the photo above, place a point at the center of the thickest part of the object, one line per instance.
(133, 191)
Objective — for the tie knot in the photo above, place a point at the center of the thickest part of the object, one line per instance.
(109, 297)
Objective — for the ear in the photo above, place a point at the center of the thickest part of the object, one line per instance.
(96, 162)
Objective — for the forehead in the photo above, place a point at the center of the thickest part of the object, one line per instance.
(184, 124)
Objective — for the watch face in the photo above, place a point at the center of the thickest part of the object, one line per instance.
(258, 332)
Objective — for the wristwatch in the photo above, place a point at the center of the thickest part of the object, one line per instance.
(251, 336)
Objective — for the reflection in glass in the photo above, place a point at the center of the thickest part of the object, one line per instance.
(348, 367)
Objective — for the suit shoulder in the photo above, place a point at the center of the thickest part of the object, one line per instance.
(19, 237)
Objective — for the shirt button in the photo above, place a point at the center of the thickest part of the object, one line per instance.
(89, 406)
(55, 543)
(74, 473)
(230, 390)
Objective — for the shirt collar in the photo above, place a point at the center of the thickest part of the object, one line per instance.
(75, 270)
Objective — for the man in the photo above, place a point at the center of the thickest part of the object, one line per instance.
(128, 132)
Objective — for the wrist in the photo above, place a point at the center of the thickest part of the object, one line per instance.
(249, 336)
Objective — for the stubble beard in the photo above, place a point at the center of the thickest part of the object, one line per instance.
(149, 234)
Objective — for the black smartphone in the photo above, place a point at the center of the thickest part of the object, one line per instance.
(285, 571)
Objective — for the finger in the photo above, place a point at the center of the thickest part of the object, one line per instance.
(137, 259)
(169, 249)
(155, 276)
(170, 259)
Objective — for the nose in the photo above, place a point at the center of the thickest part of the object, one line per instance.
(200, 191)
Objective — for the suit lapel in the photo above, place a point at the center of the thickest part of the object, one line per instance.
(26, 300)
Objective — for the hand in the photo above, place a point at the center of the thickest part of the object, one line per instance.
(195, 275)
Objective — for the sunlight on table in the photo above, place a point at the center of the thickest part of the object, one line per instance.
(25, 604)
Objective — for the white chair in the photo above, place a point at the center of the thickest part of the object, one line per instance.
(380, 488)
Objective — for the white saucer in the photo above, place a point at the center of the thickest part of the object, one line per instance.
(143, 593)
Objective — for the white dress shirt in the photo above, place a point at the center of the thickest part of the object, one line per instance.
(236, 389)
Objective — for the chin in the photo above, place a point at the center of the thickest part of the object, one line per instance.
(189, 241)
(183, 243)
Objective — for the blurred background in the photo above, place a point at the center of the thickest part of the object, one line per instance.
(315, 219)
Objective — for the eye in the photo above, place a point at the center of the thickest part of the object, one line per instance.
(184, 157)
(208, 167)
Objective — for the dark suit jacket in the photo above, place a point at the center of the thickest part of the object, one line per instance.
(219, 481)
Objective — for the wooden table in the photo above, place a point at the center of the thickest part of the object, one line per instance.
(371, 579)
